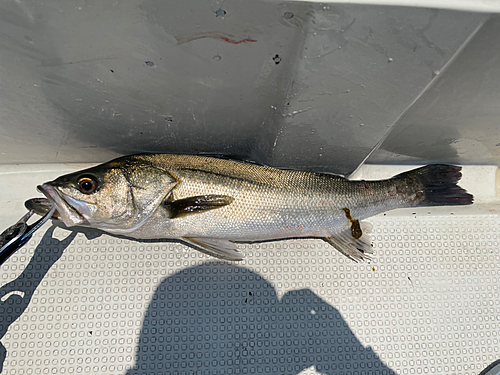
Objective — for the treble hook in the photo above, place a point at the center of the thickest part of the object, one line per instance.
(14, 237)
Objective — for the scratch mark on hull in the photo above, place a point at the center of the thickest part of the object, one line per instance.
(228, 38)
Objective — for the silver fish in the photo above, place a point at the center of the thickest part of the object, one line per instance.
(213, 203)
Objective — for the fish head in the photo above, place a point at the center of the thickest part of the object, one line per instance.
(118, 197)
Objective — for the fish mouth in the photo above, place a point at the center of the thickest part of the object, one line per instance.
(41, 206)
(69, 214)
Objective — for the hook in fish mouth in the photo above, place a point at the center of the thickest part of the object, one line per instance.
(65, 210)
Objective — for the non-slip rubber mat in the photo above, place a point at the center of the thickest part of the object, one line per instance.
(428, 303)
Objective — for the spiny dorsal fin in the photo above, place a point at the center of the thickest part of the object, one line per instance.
(194, 205)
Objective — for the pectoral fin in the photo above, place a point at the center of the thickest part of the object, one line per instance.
(218, 248)
(194, 205)
(357, 249)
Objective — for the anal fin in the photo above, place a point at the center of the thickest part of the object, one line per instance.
(222, 249)
(357, 249)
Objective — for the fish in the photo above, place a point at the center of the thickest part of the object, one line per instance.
(213, 204)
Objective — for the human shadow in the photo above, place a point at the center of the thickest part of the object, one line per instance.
(218, 318)
(16, 295)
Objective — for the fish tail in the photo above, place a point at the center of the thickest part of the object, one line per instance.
(437, 185)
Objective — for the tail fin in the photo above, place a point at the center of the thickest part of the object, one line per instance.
(438, 183)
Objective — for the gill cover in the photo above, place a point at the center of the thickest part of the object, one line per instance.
(149, 187)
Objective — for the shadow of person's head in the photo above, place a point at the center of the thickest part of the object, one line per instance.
(221, 318)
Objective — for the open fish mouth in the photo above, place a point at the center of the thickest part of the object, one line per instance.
(67, 212)
(41, 206)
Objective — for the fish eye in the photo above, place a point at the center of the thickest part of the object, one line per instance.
(87, 185)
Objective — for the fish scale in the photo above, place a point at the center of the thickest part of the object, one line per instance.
(211, 203)
(292, 199)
